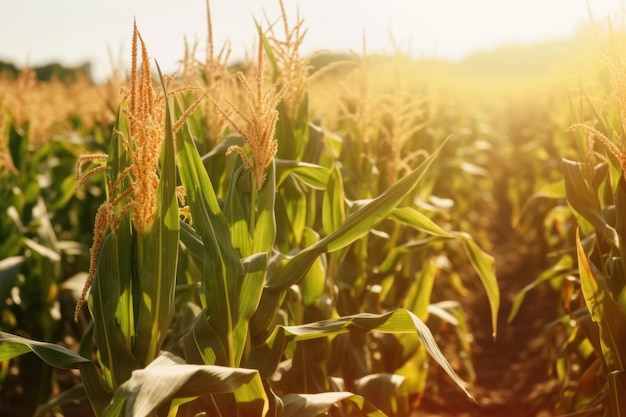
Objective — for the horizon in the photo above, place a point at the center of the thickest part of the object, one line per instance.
(448, 30)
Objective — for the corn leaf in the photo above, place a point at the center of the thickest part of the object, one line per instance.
(397, 321)
(168, 378)
(99, 394)
(251, 290)
(618, 280)
(193, 242)
(265, 225)
(386, 392)
(314, 176)
(553, 190)
(361, 221)
(314, 282)
(605, 311)
(122, 289)
(119, 159)
(291, 213)
(222, 268)
(157, 256)
(485, 267)
(564, 266)
(201, 344)
(313, 405)
(409, 216)
(333, 205)
(111, 305)
(12, 346)
(412, 246)
(355, 226)
(584, 200)
(237, 209)
(418, 296)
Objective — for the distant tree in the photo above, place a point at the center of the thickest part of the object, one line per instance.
(65, 74)
(8, 67)
(47, 72)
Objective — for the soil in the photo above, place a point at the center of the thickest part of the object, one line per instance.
(514, 372)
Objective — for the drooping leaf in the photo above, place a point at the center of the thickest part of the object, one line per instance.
(396, 321)
(98, 392)
(386, 392)
(314, 405)
(168, 378)
(12, 346)
(314, 176)
(485, 266)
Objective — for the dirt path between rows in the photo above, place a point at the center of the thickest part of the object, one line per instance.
(513, 371)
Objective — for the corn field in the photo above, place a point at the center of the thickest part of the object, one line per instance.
(356, 235)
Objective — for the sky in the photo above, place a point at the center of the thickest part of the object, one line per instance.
(35, 32)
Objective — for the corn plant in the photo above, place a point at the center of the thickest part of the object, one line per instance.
(193, 307)
(374, 274)
(589, 267)
(40, 233)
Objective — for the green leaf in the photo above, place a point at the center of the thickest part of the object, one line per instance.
(98, 392)
(237, 208)
(201, 343)
(314, 176)
(418, 296)
(111, 304)
(412, 217)
(168, 378)
(385, 391)
(564, 266)
(605, 311)
(12, 346)
(156, 256)
(553, 191)
(361, 221)
(485, 267)
(314, 282)
(584, 200)
(314, 405)
(222, 268)
(333, 205)
(290, 270)
(265, 226)
(249, 298)
(412, 246)
(397, 321)
(292, 213)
